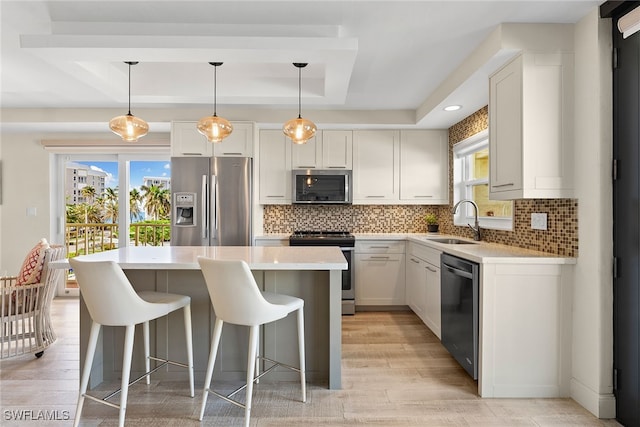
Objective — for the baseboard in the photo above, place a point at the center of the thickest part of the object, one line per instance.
(600, 405)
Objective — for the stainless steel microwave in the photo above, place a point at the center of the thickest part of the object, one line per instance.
(319, 186)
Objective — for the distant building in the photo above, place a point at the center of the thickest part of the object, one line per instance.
(78, 177)
(159, 181)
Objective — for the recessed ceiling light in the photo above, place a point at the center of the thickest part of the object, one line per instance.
(452, 108)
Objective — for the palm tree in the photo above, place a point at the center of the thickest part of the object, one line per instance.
(157, 201)
(135, 199)
(88, 192)
(111, 204)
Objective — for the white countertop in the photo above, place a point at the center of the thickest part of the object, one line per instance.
(481, 252)
(185, 257)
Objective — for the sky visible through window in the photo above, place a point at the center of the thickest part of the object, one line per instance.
(138, 170)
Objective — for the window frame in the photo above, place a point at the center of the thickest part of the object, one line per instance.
(462, 186)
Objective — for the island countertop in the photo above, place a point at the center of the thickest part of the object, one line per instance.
(185, 257)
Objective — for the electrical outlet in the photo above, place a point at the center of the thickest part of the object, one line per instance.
(539, 221)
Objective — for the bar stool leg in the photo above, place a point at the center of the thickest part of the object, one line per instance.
(126, 371)
(303, 381)
(189, 340)
(257, 372)
(215, 342)
(253, 346)
(145, 335)
(86, 371)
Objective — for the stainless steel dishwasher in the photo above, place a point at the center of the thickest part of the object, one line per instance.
(459, 288)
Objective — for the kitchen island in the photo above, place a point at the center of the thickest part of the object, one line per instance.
(311, 273)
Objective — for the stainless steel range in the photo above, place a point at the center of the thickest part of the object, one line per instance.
(346, 241)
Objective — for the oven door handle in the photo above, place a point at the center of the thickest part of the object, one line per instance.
(457, 271)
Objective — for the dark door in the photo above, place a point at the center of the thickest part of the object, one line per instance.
(626, 229)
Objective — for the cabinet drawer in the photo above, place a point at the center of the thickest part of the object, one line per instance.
(380, 246)
(430, 255)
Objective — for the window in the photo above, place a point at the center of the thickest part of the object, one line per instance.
(471, 181)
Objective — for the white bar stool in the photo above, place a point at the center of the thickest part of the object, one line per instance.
(112, 301)
(236, 299)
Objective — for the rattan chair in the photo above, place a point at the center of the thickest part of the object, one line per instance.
(25, 310)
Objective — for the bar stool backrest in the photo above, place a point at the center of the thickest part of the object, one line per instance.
(110, 297)
(235, 295)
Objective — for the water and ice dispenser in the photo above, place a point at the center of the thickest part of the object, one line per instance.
(184, 209)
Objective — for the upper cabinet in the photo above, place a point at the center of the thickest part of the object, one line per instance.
(531, 128)
(275, 168)
(238, 144)
(329, 149)
(187, 141)
(337, 149)
(424, 170)
(376, 162)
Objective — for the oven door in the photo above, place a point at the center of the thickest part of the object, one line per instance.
(348, 283)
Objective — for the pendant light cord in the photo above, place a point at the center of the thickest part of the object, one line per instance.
(299, 92)
(215, 91)
(129, 88)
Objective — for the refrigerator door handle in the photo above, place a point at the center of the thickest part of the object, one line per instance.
(203, 207)
(214, 206)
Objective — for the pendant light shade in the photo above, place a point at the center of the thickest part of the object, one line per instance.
(299, 130)
(213, 127)
(129, 127)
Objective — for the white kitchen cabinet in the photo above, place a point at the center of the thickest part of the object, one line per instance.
(187, 141)
(416, 285)
(376, 162)
(379, 273)
(238, 144)
(308, 155)
(337, 149)
(274, 168)
(329, 149)
(531, 128)
(423, 284)
(424, 167)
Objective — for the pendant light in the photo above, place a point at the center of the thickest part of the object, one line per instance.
(299, 130)
(213, 127)
(129, 127)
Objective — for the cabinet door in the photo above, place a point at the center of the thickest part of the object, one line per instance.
(238, 144)
(337, 149)
(505, 128)
(424, 170)
(307, 156)
(432, 298)
(380, 279)
(416, 286)
(275, 168)
(375, 167)
(187, 141)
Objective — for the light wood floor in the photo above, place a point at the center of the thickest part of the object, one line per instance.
(395, 373)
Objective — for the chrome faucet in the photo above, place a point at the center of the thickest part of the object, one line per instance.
(476, 229)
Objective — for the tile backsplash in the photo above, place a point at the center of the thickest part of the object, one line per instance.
(354, 218)
(561, 236)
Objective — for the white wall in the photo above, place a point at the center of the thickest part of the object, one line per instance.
(591, 383)
(25, 184)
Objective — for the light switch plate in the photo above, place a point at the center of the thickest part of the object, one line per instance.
(539, 221)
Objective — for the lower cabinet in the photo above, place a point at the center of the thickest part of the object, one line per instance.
(423, 284)
(379, 273)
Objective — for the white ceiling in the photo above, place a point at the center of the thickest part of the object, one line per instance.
(362, 55)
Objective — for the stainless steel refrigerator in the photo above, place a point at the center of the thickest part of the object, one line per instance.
(211, 201)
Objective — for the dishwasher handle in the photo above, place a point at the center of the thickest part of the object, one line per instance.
(457, 271)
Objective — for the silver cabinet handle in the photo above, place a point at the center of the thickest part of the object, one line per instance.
(415, 260)
(503, 185)
(433, 270)
(232, 154)
(276, 196)
(375, 197)
(304, 167)
(379, 247)
(423, 197)
(337, 167)
(378, 257)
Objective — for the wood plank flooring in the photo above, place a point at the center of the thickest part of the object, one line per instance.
(395, 373)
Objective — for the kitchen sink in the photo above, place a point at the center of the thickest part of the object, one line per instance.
(452, 241)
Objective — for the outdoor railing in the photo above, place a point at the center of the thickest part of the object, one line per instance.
(87, 238)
